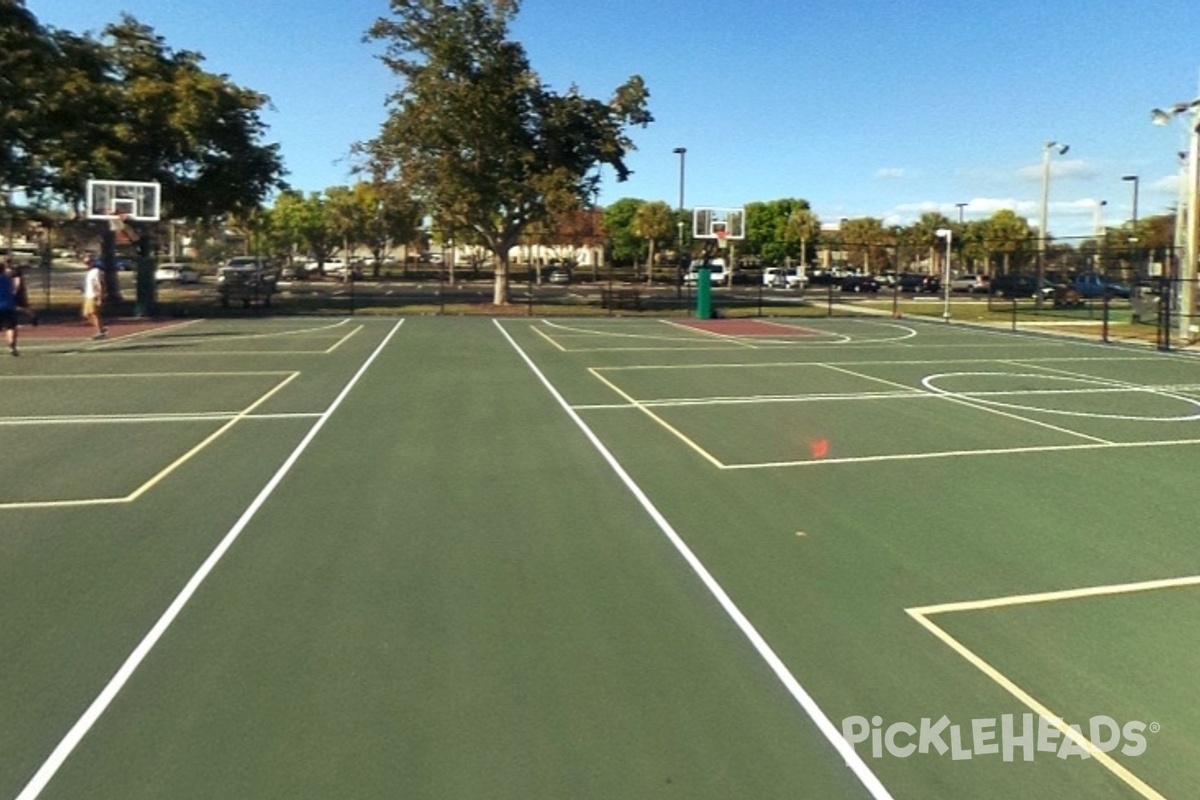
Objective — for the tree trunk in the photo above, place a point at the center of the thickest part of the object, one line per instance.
(500, 289)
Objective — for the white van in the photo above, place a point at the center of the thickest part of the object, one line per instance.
(716, 269)
(780, 278)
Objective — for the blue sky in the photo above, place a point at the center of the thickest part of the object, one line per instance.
(861, 107)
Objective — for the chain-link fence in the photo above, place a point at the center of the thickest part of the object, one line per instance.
(1088, 305)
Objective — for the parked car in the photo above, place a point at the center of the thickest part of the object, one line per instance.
(916, 283)
(716, 271)
(781, 278)
(560, 276)
(860, 283)
(172, 272)
(973, 284)
(1014, 286)
(338, 268)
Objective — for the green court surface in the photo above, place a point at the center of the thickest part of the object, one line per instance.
(455, 558)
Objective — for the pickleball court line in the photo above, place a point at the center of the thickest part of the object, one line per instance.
(922, 614)
(67, 745)
(831, 733)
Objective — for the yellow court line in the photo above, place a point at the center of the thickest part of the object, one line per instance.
(1133, 781)
(670, 428)
(538, 330)
(344, 339)
(100, 345)
(922, 615)
(183, 459)
(1065, 594)
(163, 473)
(211, 353)
(123, 375)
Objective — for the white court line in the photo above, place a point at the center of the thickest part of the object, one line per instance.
(142, 419)
(115, 684)
(831, 733)
(990, 451)
(633, 402)
(965, 401)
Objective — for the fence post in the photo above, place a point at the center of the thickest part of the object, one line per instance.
(1106, 302)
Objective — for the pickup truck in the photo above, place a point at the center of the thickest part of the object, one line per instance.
(247, 280)
(1093, 284)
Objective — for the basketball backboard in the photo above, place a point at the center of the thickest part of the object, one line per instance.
(710, 222)
(130, 200)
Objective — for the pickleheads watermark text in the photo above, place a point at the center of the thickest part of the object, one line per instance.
(1009, 736)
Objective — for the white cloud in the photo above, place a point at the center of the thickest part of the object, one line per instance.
(891, 173)
(1060, 169)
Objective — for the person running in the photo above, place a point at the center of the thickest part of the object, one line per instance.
(8, 306)
(93, 298)
(22, 294)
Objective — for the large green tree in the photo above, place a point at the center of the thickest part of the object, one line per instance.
(125, 105)
(195, 132)
(624, 245)
(766, 230)
(485, 145)
(27, 56)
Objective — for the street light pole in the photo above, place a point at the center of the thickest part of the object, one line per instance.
(960, 207)
(682, 153)
(948, 235)
(1044, 231)
(1133, 238)
(1187, 270)
(1101, 234)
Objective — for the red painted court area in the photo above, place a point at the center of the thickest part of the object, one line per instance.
(748, 327)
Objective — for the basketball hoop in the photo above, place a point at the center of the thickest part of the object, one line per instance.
(721, 237)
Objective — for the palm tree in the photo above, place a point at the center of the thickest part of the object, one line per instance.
(1006, 233)
(802, 226)
(868, 235)
(654, 222)
(925, 232)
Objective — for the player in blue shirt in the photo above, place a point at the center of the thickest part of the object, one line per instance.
(8, 305)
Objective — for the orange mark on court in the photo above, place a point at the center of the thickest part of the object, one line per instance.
(820, 448)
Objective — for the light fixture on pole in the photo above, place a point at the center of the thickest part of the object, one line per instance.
(1043, 222)
(1187, 270)
(948, 235)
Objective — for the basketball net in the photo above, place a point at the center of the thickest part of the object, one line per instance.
(116, 223)
(721, 243)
